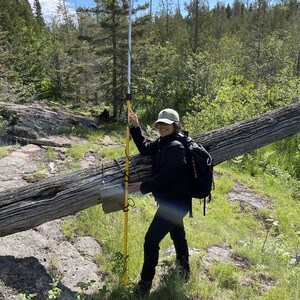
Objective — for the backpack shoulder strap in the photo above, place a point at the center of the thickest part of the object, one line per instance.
(184, 138)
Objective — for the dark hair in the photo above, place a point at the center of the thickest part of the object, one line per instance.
(177, 127)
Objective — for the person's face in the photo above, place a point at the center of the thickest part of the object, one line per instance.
(164, 129)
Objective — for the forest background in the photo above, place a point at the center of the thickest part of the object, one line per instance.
(215, 66)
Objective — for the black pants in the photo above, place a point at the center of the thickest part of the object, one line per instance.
(165, 221)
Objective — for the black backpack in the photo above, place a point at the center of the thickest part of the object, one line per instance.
(200, 167)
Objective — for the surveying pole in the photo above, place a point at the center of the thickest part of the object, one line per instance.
(126, 180)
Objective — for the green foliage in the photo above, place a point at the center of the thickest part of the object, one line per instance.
(225, 274)
(54, 291)
(38, 15)
(84, 286)
(3, 124)
(10, 87)
(3, 151)
(28, 43)
(39, 174)
(50, 154)
(163, 86)
(170, 287)
(93, 145)
(280, 159)
(22, 296)
(182, 60)
(237, 99)
(119, 265)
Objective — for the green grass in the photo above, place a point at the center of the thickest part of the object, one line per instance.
(266, 241)
(225, 224)
(51, 155)
(93, 144)
(3, 151)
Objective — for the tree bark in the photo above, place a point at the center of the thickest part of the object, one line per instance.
(54, 198)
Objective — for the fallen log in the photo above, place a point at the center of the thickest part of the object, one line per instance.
(57, 197)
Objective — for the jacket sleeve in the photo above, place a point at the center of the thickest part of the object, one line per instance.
(174, 161)
(145, 146)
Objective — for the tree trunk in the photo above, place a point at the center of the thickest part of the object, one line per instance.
(54, 198)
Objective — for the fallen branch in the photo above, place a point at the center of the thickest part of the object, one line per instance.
(54, 198)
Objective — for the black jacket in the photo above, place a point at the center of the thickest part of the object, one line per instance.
(169, 183)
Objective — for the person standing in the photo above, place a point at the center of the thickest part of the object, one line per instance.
(169, 186)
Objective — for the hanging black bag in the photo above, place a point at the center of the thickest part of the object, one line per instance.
(200, 169)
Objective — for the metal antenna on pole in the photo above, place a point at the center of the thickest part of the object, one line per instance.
(129, 50)
(126, 180)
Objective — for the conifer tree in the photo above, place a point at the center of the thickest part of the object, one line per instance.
(67, 77)
(105, 27)
(199, 24)
(38, 13)
(10, 87)
(26, 42)
(218, 18)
